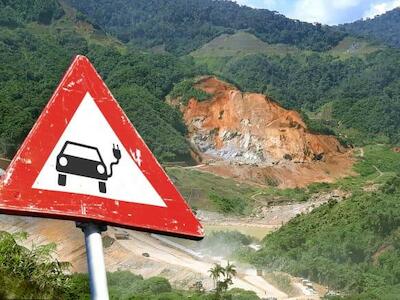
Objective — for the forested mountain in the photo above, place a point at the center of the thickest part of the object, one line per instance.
(34, 56)
(384, 28)
(182, 26)
(38, 39)
(352, 245)
(15, 13)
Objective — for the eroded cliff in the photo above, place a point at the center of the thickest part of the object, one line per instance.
(251, 130)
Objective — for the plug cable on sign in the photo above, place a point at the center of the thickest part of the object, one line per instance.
(117, 155)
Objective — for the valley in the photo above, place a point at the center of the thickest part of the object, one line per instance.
(182, 265)
(182, 262)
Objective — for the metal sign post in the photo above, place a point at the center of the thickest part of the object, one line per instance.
(95, 260)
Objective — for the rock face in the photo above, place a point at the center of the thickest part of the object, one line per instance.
(250, 128)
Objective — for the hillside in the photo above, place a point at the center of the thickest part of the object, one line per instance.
(354, 92)
(383, 28)
(240, 43)
(350, 245)
(34, 53)
(356, 96)
(351, 89)
(181, 26)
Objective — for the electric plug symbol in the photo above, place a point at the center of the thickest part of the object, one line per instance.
(116, 152)
(117, 155)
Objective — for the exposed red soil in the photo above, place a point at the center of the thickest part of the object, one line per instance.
(287, 175)
(250, 137)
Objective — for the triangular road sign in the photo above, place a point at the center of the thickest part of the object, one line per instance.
(83, 160)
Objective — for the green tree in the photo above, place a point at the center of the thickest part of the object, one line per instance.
(215, 273)
(222, 277)
(30, 272)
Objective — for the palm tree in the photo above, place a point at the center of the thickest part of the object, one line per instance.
(215, 272)
(230, 272)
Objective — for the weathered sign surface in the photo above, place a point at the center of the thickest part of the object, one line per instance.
(83, 160)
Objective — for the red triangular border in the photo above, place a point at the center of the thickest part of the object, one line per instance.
(18, 197)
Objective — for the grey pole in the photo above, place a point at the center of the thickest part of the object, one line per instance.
(95, 260)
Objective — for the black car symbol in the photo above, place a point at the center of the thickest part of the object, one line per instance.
(84, 160)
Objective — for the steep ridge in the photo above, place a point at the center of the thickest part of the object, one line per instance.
(252, 132)
(178, 26)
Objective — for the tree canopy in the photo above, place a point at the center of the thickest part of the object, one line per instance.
(181, 26)
(34, 58)
(383, 28)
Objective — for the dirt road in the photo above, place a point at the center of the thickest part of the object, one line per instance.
(181, 268)
(164, 254)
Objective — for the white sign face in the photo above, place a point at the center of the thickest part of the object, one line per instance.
(89, 159)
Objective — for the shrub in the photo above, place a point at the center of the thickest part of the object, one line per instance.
(30, 272)
(228, 205)
(185, 90)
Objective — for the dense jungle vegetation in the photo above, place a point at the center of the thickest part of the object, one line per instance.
(34, 56)
(181, 26)
(352, 245)
(382, 28)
